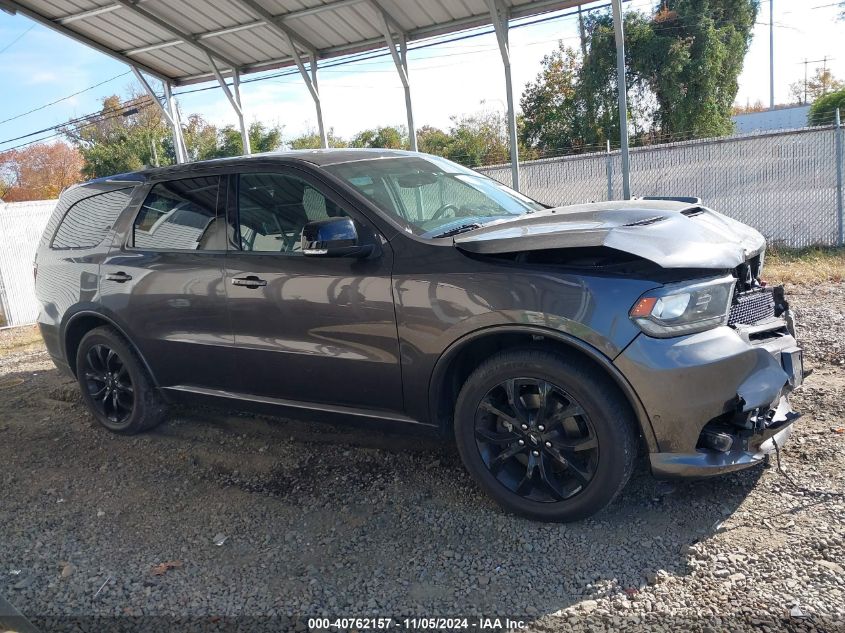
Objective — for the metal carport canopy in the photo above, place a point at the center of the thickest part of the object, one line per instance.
(183, 42)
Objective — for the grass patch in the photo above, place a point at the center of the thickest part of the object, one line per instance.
(805, 266)
(15, 338)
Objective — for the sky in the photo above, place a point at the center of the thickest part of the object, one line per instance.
(38, 66)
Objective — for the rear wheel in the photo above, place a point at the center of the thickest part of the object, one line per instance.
(115, 385)
(544, 436)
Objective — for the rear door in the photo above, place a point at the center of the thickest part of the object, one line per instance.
(308, 329)
(163, 279)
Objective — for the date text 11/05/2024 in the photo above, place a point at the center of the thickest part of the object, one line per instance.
(420, 623)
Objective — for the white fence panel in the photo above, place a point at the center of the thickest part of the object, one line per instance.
(21, 225)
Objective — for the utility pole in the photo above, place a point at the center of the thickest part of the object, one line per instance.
(772, 54)
(804, 102)
(583, 35)
(806, 63)
(619, 31)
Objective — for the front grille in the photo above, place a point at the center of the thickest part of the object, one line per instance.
(752, 306)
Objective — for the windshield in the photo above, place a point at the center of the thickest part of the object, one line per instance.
(431, 196)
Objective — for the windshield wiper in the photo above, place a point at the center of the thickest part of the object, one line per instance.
(458, 229)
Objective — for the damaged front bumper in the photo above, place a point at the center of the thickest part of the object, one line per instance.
(717, 400)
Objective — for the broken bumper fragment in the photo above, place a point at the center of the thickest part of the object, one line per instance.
(728, 402)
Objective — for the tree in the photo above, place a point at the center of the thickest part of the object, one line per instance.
(311, 140)
(433, 140)
(549, 105)
(200, 138)
(817, 86)
(388, 137)
(757, 106)
(261, 139)
(823, 110)
(478, 139)
(38, 172)
(125, 136)
(682, 67)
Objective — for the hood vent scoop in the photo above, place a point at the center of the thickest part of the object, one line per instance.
(692, 212)
(647, 221)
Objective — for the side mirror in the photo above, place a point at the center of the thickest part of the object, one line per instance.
(332, 237)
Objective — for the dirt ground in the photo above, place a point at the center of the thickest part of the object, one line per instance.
(217, 519)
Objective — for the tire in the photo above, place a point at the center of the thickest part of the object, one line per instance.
(115, 385)
(578, 449)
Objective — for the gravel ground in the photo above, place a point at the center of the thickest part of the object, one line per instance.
(216, 515)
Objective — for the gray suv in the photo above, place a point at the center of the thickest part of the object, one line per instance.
(402, 290)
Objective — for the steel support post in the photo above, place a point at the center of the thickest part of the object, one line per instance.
(400, 60)
(499, 16)
(176, 124)
(840, 205)
(169, 113)
(234, 97)
(618, 27)
(311, 83)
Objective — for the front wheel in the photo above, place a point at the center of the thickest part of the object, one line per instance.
(115, 384)
(545, 436)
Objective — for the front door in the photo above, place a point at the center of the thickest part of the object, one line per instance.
(308, 329)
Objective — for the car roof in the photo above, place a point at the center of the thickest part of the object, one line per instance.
(317, 157)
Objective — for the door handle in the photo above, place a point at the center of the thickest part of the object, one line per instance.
(120, 277)
(250, 281)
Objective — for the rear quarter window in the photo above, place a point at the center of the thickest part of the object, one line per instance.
(88, 221)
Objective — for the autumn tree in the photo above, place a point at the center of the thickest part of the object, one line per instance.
(757, 106)
(821, 83)
(38, 172)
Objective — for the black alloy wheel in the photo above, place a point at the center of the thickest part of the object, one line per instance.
(116, 384)
(108, 383)
(548, 435)
(536, 439)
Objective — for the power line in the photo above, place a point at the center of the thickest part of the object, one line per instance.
(52, 103)
(293, 71)
(356, 58)
(473, 33)
(125, 109)
(15, 41)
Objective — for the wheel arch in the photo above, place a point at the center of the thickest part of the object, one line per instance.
(82, 322)
(462, 356)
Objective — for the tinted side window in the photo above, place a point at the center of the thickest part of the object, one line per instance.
(273, 209)
(181, 215)
(88, 221)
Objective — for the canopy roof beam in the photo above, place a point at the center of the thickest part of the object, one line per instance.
(170, 114)
(292, 39)
(90, 13)
(16, 7)
(277, 24)
(399, 53)
(234, 97)
(499, 16)
(187, 38)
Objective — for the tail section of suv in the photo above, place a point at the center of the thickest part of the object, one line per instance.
(401, 289)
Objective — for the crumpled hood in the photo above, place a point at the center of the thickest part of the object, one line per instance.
(670, 234)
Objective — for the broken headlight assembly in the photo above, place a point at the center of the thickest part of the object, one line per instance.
(684, 308)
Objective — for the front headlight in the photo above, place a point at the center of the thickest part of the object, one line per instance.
(684, 308)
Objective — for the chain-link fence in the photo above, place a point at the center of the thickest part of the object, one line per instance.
(784, 184)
